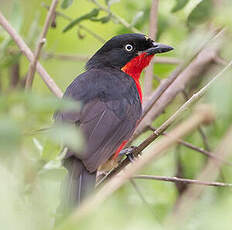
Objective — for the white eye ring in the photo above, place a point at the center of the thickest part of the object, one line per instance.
(129, 47)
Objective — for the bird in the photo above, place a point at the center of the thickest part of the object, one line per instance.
(110, 95)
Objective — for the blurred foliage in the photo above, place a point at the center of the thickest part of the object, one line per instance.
(31, 145)
(66, 3)
(200, 13)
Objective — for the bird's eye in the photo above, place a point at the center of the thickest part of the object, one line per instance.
(129, 47)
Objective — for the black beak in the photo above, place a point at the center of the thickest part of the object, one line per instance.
(158, 48)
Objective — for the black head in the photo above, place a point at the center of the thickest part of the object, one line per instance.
(119, 50)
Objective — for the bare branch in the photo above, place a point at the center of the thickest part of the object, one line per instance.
(197, 149)
(41, 42)
(27, 52)
(182, 180)
(152, 34)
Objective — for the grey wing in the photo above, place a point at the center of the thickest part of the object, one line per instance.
(104, 131)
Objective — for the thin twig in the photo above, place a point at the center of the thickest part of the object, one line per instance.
(41, 42)
(27, 52)
(195, 148)
(116, 17)
(182, 180)
(157, 150)
(152, 34)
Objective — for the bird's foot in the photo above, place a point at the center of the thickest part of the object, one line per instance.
(128, 152)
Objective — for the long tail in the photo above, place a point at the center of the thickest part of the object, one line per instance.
(78, 184)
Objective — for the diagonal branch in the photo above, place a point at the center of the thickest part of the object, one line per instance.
(27, 52)
(182, 180)
(197, 149)
(41, 42)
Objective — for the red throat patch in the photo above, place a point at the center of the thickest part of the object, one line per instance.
(135, 67)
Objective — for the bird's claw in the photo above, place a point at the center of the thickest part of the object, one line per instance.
(128, 152)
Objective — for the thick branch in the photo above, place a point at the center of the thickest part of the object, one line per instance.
(27, 52)
(182, 180)
(41, 42)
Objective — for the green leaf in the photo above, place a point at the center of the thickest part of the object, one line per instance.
(10, 135)
(16, 21)
(111, 2)
(92, 14)
(200, 13)
(54, 174)
(65, 134)
(66, 3)
(50, 150)
(34, 30)
(136, 18)
(102, 19)
(221, 99)
(180, 4)
(16, 18)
